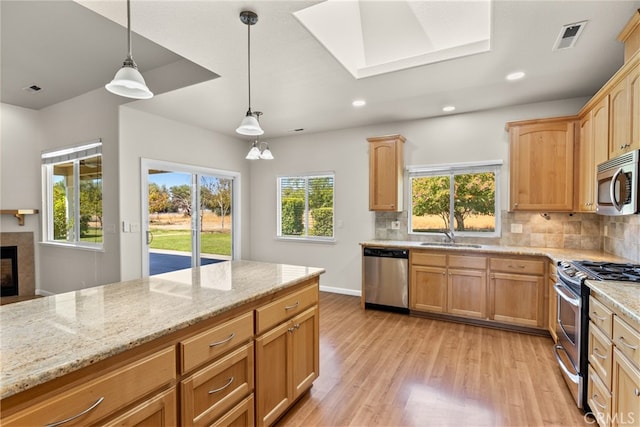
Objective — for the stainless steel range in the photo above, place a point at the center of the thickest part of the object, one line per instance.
(572, 297)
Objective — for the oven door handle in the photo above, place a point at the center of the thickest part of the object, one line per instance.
(561, 291)
(574, 377)
(612, 190)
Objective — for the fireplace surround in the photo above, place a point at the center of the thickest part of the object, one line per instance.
(18, 247)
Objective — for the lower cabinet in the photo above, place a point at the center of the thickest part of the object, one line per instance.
(517, 291)
(288, 360)
(216, 373)
(467, 292)
(94, 400)
(626, 387)
(159, 411)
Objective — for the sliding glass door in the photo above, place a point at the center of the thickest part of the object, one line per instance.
(189, 216)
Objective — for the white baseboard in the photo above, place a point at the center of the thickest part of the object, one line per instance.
(343, 291)
(44, 293)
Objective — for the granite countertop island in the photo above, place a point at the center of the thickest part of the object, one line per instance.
(46, 338)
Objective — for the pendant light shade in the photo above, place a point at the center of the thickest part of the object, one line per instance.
(254, 153)
(128, 81)
(249, 125)
(266, 153)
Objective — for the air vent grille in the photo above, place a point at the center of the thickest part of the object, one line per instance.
(32, 88)
(569, 35)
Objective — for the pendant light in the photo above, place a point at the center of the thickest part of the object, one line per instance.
(249, 125)
(256, 152)
(128, 81)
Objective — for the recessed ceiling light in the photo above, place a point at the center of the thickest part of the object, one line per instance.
(515, 76)
(359, 103)
(448, 108)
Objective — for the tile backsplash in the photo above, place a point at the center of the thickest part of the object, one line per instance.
(615, 235)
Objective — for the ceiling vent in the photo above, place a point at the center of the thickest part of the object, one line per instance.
(569, 35)
(32, 88)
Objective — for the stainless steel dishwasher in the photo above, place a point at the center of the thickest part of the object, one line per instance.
(386, 279)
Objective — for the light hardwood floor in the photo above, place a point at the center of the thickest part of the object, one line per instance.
(387, 369)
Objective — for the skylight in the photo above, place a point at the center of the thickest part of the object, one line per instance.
(375, 37)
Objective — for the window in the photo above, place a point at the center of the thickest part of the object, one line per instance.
(73, 195)
(457, 197)
(305, 206)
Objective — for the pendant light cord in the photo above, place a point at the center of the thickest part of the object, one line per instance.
(248, 62)
(129, 27)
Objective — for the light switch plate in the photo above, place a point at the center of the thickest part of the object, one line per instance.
(395, 225)
(516, 228)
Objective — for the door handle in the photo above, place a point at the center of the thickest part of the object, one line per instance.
(612, 190)
(149, 237)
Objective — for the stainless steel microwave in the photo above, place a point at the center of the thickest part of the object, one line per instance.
(617, 185)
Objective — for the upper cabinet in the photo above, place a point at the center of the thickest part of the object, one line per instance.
(593, 143)
(386, 163)
(541, 172)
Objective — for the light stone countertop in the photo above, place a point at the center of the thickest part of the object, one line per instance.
(552, 253)
(45, 338)
(623, 295)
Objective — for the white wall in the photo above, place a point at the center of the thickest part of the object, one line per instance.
(144, 135)
(20, 139)
(76, 121)
(448, 139)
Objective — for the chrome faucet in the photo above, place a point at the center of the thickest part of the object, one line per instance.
(450, 237)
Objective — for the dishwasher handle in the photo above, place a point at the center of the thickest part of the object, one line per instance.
(386, 253)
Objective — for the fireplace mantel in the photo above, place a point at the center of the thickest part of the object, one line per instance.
(19, 213)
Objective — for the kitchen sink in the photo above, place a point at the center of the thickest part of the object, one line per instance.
(451, 244)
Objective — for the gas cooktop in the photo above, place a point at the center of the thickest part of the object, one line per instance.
(609, 270)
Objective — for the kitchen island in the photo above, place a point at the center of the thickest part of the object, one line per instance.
(62, 344)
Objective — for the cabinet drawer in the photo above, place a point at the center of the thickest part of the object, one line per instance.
(284, 308)
(467, 261)
(599, 399)
(428, 258)
(516, 265)
(159, 411)
(600, 354)
(601, 316)
(216, 341)
(104, 395)
(243, 414)
(627, 340)
(212, 391)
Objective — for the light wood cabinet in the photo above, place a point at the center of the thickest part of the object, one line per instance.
(634, 91)
(517, 291)
(625, 114)
(552, 301)
(593, 149)
(614, 365)
(211, 373)
(626, 391)
(159, 411)
(448, 283)
(541, 154)
(386, 164)
(287, 360)
(89, 402)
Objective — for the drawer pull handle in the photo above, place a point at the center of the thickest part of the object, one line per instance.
(599, 318)
(291, 330)
(595, 400)
(292, 306)
(297, 326)
(224, 341)
(86, 411)
(597, 353)
(636, 392)
(516, 266)
(624, 343)
(215, 390)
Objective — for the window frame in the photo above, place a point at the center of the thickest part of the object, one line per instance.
(306, 237)
(74, 155)
(452, 169)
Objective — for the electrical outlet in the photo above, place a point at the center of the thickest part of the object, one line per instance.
(125, 226)
(516, 228)
(395, 225)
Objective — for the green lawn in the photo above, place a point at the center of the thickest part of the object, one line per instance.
(180, 240)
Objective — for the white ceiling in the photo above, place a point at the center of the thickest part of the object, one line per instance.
(298, 83)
